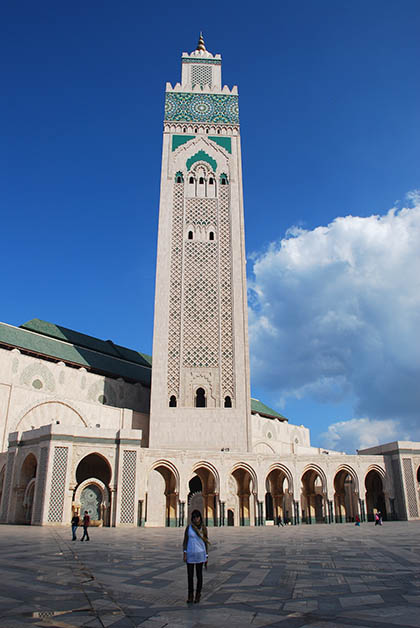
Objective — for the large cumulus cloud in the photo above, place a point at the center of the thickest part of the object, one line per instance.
(335, 314)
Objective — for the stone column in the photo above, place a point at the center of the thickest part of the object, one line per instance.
(296, 513)
(222, 507)
(181, 513)
(330, 511)
(362, 509)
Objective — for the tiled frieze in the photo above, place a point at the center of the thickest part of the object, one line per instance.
(193, 107)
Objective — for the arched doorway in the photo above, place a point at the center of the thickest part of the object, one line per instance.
(230, 517)
(375, 498)
(313, 499)
(245, 492)
(92, 492)
(204, 492)
(162, 496)
(279, 496)
(25, 490)
(346, 503)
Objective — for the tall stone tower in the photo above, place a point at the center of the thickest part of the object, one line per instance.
(200, 377)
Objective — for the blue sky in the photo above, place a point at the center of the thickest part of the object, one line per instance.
(330, 121)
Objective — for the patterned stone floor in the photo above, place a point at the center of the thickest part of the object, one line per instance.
(320, 576)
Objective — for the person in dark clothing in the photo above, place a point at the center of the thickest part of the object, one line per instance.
(195, 548)
(86, 523)
(74, 524)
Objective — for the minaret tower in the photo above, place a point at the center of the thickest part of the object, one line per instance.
(200, 376)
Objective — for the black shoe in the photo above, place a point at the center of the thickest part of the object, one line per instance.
(190, 598)
(197, 598)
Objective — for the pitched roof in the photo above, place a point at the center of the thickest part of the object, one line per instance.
(59, 343)
(258, 407)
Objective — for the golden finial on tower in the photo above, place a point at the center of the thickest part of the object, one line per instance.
(201, 44)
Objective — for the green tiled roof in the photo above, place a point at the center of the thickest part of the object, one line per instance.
(88, 342)
(102, 356)
(257, 407)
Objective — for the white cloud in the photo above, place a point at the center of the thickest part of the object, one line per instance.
(335, 314)
(360, 434)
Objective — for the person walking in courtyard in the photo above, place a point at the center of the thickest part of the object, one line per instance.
(195, 548)
(86, 523)
(357, 520)
(74, 524)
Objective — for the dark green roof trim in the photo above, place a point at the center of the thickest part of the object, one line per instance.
(257, 407)
(112, 360)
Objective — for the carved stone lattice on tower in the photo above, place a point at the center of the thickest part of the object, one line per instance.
(200, 378)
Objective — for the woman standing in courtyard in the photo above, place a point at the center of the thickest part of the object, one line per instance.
(195, 549)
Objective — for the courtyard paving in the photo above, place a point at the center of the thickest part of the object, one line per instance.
(323, 576)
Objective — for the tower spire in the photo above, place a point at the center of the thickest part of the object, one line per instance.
(201, 45)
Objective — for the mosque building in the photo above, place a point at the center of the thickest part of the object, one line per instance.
(90, 425)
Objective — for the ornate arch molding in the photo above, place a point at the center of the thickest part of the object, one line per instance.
(320, 472)
(262, 442)
(210, 467)
(378, 469)
(168, 465)
(281, 467)
(39, 409)
(351, 472)
(246, 467)
(189, 151)
(94, 452)
(102, 487)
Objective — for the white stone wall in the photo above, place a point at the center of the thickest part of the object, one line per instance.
(36, 392)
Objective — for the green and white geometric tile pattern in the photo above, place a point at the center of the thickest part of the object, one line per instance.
(208, 108)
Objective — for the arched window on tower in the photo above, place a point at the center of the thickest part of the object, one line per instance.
(190, 235)
(172, 401)
(228, 402)
(200, 398)
(201, 181)
(211, 235)
(191, 180)
(211, 181)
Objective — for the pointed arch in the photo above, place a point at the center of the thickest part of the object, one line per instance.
(44, 413)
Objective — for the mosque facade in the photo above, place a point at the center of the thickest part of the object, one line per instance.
(89, 425)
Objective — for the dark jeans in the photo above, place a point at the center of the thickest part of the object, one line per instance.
(74, 530)
(199, 572)
(85, 534)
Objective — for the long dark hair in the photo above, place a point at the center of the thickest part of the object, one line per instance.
(197, 513)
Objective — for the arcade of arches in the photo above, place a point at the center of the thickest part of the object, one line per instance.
(92, 491)
(242, 507)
